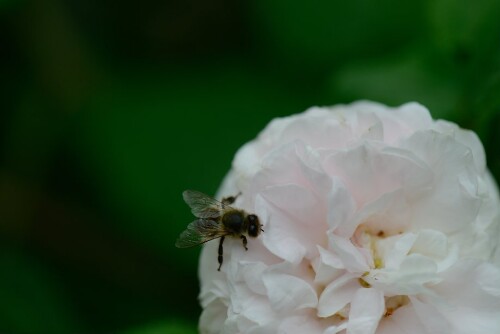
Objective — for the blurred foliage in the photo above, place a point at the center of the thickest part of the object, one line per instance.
(170, 327)
(32, 300)
(110, 110)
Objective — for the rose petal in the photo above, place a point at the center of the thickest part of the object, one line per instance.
(367, 307)
(390, 214)
(327, 266)
(431, 243)
(299, 204)
(337, 295)
(467, 138)
(251, 274)
(289, 249)
(297, 222)
(300, 324)
(254, 310)
(352, 258)
(488, 279)
(471, 303)
(474, 281)
(341, 207)
(403, 321)
(446, 207)
(320, 128)
(294, 163)
(213, 317)
(412, 277)
(368, 171)
(395, 249)
(430, 317)
(287, 293)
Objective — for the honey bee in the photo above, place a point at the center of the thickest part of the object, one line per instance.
(216, 219)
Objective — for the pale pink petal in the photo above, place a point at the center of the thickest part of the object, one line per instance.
(287, 293)
(431, 243)
(467, 138)
(465, 320)
(367, 307)
(395, 249)
(300, 324)
(403, 321)
(470, 290)
(417, 270)
(284, 246)
(337, 295)
(251, 274)
(390, 214)
(342, 207)
(399, 121)
(474, 281)
(368, 171)
(430, 317)
(352, 257)
(336, 329)
(322, 129)
(327, 267)
(293, 211)
(271, 327)
(213, 317)
(412, 277)
(237, 323)
(412, 114)
(448, 206)
(294, 163)
(471, 305)
(300, 204)
(488, 279)
(254, 310)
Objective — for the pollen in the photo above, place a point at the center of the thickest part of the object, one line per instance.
(364, 283)
(378, 262)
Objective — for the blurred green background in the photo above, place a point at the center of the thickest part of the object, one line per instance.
(110, 109)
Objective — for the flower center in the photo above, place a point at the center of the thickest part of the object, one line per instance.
(373, 240)
(368, 239)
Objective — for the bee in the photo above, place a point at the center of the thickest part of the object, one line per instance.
(216, 219)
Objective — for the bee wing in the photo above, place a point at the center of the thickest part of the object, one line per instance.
(198, 232)
(203, 206)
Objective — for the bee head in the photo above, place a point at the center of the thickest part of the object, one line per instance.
(253, 225)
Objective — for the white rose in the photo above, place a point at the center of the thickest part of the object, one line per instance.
(376, 220)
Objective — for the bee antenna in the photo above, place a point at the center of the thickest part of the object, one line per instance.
(262, 229)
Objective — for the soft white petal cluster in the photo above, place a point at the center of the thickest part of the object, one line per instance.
(377, 220)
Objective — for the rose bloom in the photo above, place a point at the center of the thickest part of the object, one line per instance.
(376, 220)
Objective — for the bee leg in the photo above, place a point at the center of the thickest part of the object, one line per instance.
(220, 258)
(230, 199)
(244, 241)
